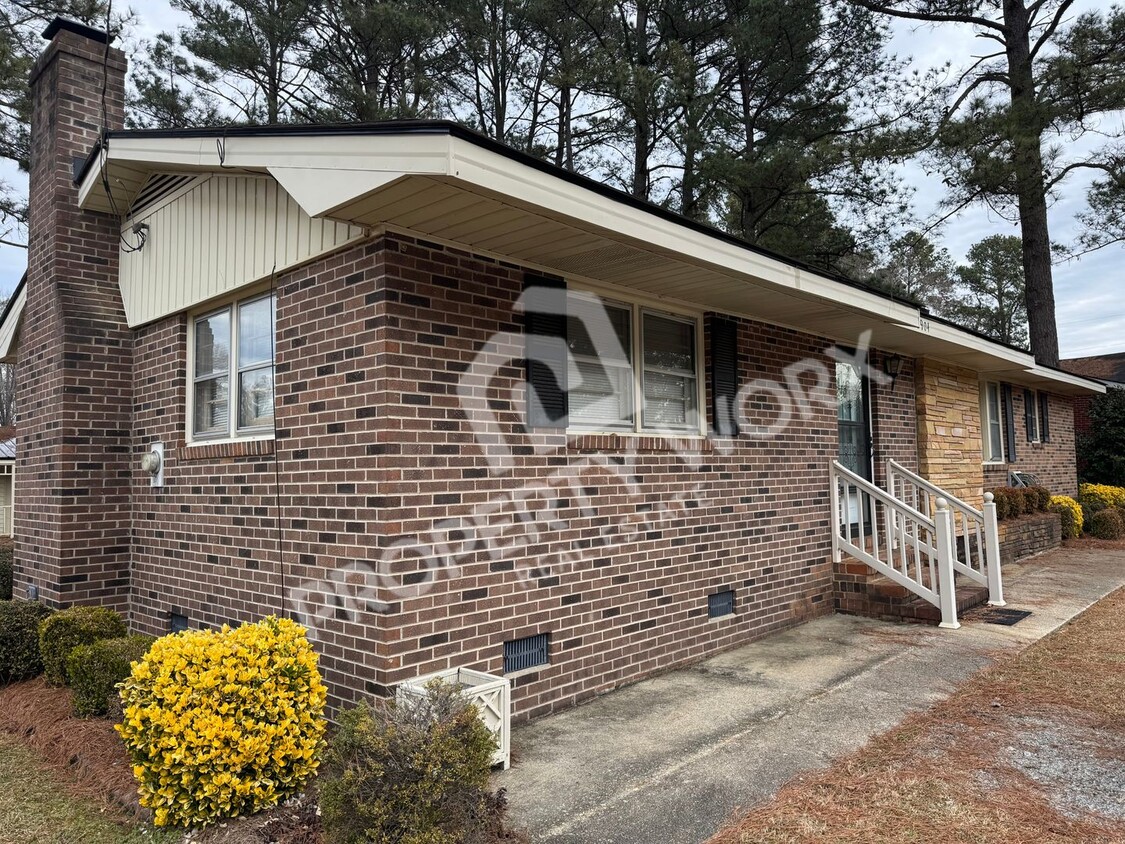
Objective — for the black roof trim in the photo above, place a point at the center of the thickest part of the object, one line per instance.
(61, 24)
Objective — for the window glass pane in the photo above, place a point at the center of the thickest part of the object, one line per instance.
(211, 406)
(255, 332)
(212, 345)
(849, 393)
(669, 401)
(995, 434)
(585, 316)
(669, 344)
(255, 404)
(600, 395)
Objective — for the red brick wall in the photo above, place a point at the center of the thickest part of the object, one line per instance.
(894, 418)
(74, 362)
(1053, 462)
(373, 446)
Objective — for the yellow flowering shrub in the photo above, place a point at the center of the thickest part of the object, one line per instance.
(222, 723)
(1071, 512)
(1101, 495)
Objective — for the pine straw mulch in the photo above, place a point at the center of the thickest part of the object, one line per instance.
(89, 755)
(942, 776)
(86, 750)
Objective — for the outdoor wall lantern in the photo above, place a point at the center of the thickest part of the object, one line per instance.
(892, 366)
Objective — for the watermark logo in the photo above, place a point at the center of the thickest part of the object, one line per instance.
(557, 517)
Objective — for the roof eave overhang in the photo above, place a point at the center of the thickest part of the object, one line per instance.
(11, 321)
(336, 176)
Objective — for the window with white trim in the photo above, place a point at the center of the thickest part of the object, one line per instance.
(232, 354)
(625, 356)
(992, 420)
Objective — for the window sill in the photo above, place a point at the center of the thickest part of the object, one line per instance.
(214, 449)
(638, 442)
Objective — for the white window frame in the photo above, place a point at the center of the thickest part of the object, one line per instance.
(638, 307)
(234, 432)
(986, 424)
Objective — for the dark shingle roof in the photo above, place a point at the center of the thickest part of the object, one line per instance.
(1100, 367)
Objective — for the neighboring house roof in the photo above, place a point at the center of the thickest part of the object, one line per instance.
(1109, 369)
(439, 180)
(8, 449)
(11, 320)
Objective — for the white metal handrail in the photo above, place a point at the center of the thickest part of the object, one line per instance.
(925, 567)
(976, 533)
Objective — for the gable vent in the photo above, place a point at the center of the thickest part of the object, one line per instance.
(157, 188)
(520, 654)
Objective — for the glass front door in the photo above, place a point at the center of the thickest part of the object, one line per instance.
(854, 423)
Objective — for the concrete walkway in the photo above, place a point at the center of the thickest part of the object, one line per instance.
(670, 759)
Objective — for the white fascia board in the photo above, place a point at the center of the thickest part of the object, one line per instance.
(415, 154)
(1068, 378)
(10, 328)
(324, 172)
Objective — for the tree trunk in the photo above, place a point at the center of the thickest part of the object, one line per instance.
(640, 95)
(1027, 166)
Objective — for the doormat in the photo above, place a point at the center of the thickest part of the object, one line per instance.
(1000, 615)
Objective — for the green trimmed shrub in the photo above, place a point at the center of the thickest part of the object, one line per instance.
(19, 640)
(66, 630)
(1029, 498)
(95, 670)
(411, 774)
(1106, 524)
(1003, 502)
(1043, 504)
(6, 574)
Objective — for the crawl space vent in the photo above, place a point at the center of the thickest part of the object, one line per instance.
(520, 654)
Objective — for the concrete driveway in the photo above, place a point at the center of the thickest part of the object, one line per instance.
(669, 760)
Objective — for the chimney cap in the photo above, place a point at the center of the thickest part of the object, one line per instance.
(61, 24)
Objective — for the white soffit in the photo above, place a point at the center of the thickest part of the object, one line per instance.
(10, 327)
(320, 191)
(455, 190)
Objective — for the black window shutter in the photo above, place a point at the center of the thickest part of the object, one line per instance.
(724, 375)
(1045, 417)
(1029, 411)
(545, 351)
(1009, 423)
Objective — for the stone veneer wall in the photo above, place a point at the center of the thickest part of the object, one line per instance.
(949, 428)
(1029, 535)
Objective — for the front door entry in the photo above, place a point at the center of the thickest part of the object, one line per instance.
(854, 420)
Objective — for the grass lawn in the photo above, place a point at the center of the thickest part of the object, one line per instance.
(1032, 750)
(36, 809)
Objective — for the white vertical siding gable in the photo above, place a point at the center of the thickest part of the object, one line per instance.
(220, 234)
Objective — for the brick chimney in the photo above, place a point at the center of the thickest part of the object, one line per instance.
(74, 364)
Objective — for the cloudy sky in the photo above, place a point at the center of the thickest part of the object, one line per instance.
(1088, 292)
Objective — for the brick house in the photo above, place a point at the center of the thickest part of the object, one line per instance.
(450, 404)
(1108, 369)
